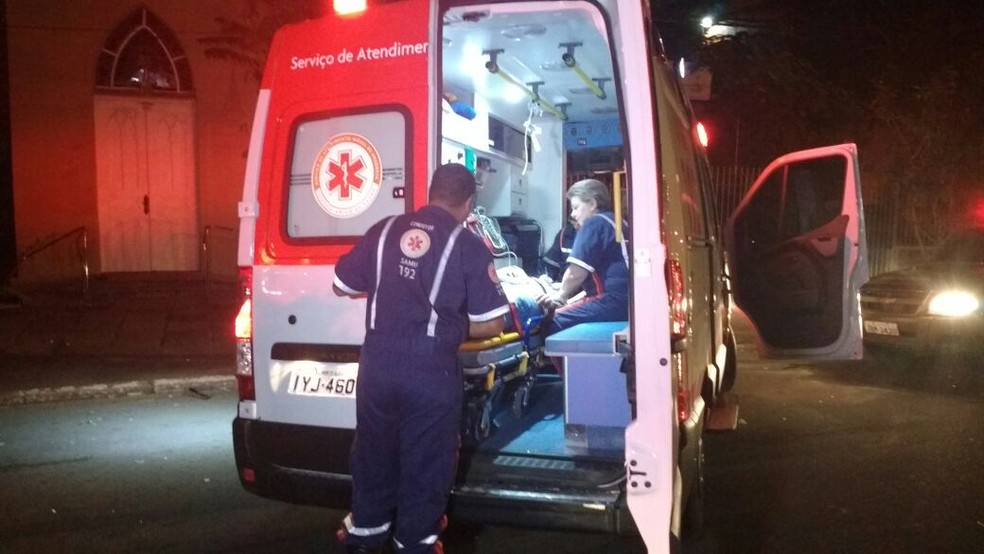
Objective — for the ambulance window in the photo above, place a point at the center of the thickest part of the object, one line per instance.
(346, 173)
(793, 201)
(756, 226)
(815, 194)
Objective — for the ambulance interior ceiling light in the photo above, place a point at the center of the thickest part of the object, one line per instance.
(580, 91)
(520, 31)
(553, 66)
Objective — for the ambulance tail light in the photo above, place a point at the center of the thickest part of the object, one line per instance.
(244, 338)
(678, 300)
(678, 334)
(683, 390)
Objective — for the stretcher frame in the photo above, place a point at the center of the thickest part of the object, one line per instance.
(512, 378)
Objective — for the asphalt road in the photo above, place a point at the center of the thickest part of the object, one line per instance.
(156, 474)
(852, 457)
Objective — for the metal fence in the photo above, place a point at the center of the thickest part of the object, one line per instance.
(880, 226)
(728, 187)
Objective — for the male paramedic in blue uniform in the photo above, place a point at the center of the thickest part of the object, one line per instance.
(597, 264)
(430, 284)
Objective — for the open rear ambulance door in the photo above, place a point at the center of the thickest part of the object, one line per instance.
(796, 246)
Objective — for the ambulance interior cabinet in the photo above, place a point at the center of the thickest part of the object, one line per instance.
(596, 404)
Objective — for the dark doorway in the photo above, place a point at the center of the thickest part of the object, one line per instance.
(8, 242)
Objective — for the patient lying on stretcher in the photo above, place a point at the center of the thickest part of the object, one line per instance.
(522, 326)
(522, 292)
(502, 370)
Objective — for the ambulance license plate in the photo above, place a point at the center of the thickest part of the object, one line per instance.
(317, 379)
(881, 328)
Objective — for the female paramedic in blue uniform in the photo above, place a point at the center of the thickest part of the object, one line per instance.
(597, 264)
(429, 287)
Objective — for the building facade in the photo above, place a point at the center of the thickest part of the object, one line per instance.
(126, 134)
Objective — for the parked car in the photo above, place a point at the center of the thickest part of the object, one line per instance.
(933, 305)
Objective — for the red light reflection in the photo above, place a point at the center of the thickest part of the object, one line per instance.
(977, 213)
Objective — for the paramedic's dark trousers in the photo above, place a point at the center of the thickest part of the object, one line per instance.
(406, 446)
(607, 307)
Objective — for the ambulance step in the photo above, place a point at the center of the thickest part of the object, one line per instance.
(724, 413)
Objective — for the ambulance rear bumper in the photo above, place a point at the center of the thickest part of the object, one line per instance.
(309, 465)
(299, 464)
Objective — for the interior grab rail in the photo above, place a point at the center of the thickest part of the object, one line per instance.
(559, 111)
(594, 85)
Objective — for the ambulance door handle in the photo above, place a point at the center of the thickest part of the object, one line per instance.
(146, 204)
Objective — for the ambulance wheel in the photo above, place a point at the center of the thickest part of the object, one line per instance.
(521, 400)
(693, 514)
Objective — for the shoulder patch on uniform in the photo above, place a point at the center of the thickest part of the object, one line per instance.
(415, 243)
(493, 275)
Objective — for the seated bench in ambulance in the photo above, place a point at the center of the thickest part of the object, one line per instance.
(596, 401)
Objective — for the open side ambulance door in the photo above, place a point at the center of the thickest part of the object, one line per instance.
(796, 245)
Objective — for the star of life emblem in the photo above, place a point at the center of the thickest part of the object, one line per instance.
(347, 175)
(415, 243)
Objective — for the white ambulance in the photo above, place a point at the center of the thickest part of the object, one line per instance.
(354, 113)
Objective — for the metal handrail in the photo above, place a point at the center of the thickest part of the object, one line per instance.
(81, 244)
(206, 256)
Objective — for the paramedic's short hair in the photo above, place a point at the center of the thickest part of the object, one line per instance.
(591, 189)
(452, 184)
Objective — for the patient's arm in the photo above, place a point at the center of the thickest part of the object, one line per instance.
(485, 329)
(570, 284)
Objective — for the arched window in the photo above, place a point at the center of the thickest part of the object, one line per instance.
(143, 54)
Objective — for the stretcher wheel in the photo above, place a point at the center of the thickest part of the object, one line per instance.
(521, 399)
(482, 425)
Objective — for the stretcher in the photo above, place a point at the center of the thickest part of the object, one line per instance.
(501, 371)
(497, 371)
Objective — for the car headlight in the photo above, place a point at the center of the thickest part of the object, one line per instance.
(954, 303)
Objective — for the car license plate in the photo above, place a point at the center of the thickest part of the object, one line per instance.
(316, 379)
(881, 328)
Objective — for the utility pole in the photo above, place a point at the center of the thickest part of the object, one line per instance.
(8, 242)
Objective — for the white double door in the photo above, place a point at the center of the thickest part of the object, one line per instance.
(145, 170)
